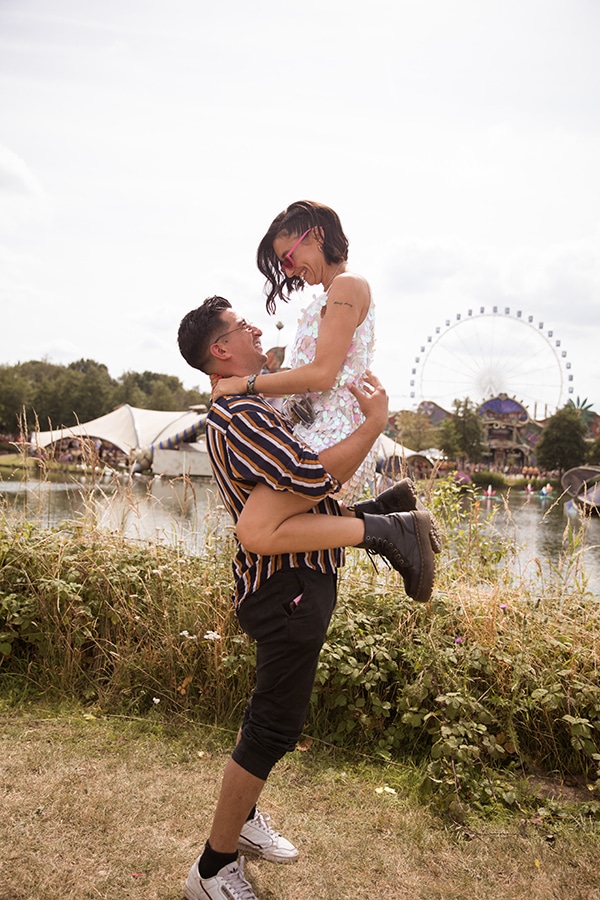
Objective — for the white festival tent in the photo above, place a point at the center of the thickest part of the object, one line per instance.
(387, 447)
(388, 451)
(140, 432)
(131, 429)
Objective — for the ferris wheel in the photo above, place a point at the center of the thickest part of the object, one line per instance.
(492, 351)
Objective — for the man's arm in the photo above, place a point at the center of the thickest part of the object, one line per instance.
(343, 459)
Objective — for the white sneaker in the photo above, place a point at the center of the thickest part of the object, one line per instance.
(228, 884)
(258, 837)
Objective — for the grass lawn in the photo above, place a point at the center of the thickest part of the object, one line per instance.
(17, 461)
(116, 808)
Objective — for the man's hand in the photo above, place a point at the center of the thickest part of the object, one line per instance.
(343, 459)
(373, 401)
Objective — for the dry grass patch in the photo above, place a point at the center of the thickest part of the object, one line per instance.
(117, 809)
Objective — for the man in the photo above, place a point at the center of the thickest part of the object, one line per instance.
(284, 601)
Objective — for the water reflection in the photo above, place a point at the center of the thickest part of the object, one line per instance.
(541, 528)
(156, 509)
(178, 511)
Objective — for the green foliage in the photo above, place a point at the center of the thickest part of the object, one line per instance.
(413, 429)
(486, 477)
(583, 408)
(59, 395)
(461, 435)
(470, 690)
(562, 443)
(102, 619)
(593, 453)
(490, 677)
(448, 438)
(150, 390)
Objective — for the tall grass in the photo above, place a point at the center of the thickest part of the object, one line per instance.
(494, 675)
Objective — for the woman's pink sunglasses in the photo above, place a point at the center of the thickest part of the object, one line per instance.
(287, 262)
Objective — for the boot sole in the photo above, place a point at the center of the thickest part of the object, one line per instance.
(405, 495)
(435, 538)
(421, 590)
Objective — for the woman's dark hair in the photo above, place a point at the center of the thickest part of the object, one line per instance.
(198, 329)
(292, 222)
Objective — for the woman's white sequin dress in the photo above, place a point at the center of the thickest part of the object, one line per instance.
(337, 413)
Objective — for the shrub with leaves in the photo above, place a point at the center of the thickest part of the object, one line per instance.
(489, 676)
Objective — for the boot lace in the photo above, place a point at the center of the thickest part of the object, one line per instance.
(387, 551)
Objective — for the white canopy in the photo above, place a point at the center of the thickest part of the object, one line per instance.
(130, 428)
(388, 447)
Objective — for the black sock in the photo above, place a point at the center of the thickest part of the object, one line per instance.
(252, 813)
(212, 862)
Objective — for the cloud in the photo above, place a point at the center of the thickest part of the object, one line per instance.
(422, 266)
(22, 198)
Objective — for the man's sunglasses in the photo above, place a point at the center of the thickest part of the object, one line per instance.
(243, 326)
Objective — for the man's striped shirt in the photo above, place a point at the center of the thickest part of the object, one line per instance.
(250, 443)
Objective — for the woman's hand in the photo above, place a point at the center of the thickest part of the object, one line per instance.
(236, 384)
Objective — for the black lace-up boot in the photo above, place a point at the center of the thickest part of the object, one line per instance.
(403, 539)
(400, 497)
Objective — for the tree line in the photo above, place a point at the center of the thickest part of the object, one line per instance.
(58, 396)
(51, 395)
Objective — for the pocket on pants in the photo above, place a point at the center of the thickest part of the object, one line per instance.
(264, 612)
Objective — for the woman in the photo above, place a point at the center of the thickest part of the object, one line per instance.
(333, 349)
(305, 244)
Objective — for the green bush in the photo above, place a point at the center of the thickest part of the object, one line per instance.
(467, 687)
(484, 478)
(489, 676)
(119, 623)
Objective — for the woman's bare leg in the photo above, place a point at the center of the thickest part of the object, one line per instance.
(275, 522)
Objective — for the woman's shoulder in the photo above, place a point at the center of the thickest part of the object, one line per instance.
(351, 280)
(350, 283)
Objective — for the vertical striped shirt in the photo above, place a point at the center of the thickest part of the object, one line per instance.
(250, 443)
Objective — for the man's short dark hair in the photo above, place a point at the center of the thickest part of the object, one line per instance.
(198, 329)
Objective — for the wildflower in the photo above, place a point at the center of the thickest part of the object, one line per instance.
(458, 640)
(503, 608)
(156, 700)
(189, 637)
(212, 636)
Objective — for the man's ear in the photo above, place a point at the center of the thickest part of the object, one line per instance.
(219, 352)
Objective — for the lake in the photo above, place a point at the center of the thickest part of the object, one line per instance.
(173, 511)
(146, 509)
(539, 526)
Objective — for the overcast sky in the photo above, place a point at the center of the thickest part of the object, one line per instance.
(146, 145)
